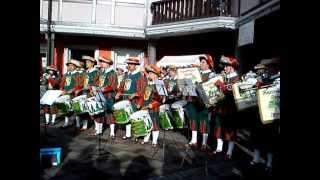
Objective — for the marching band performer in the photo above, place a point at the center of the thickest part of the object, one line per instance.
(171, 86)
(108, 82)
(51, 80)
(264, 135)
(152, 100)
(120, 74)
(225, 111)
(164, 73)
(131, 88)
(80, 78)
(197, 112)
(68, 86)
(204, 116)
(91, 79)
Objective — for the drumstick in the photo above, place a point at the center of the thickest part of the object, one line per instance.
(144, 108)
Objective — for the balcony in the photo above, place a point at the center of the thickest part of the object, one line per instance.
(187, 17)
(168, 11)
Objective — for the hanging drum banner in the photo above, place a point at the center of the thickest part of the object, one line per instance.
(269, 104)
(244, 95)
(209, 93)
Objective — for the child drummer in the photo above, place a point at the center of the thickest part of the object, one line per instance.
(152, 100)
(131, 88)
(51, 80)
(108, 82)
(91, 79)
(68, 86)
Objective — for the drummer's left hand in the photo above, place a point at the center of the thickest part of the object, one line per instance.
(132, 96)
(150, 106)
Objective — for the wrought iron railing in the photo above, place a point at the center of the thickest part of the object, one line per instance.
(166, 11)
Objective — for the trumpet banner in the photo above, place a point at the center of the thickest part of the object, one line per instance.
(244, 97)
(210, 93)
(269, 104)
(189, 73)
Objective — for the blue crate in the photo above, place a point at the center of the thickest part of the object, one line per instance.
(52, 151)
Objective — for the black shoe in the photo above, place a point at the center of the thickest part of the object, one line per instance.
(143, 142)
(214, 153)
(154, 145)
(125, 137)
(252, 163)
(227, 157)
(63, 127)
(268, 170)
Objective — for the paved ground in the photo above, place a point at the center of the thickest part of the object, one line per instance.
(119, 159)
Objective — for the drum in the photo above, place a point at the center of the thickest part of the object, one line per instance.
(50, 96)
(63, 104)
(141, 123)
(78, 104)
(165, 122)
(178, 113)
(42, 90)
(122, 111)
(97, 93)
(94, 107)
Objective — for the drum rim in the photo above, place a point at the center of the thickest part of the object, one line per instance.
(79, 97)
(121, 102)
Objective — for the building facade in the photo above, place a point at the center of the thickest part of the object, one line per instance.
(149, 29)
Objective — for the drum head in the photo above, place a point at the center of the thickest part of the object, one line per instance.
(139, 114)
(122, 104)
(164, 107)
(180, 103)
(63, 99)
(80, 98)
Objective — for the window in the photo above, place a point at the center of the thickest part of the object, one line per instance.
(77, 12)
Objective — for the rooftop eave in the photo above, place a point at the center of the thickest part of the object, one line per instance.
(98, 30)
(191, 27)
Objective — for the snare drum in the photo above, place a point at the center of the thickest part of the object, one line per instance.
(122, 111)
(97, 93)
(63, 104)
(50, 96)
(178, 113)
(94, 107)
(141, 123)
(78, 104)
(165, 122)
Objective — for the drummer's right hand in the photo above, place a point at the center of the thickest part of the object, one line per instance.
(117, 96)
